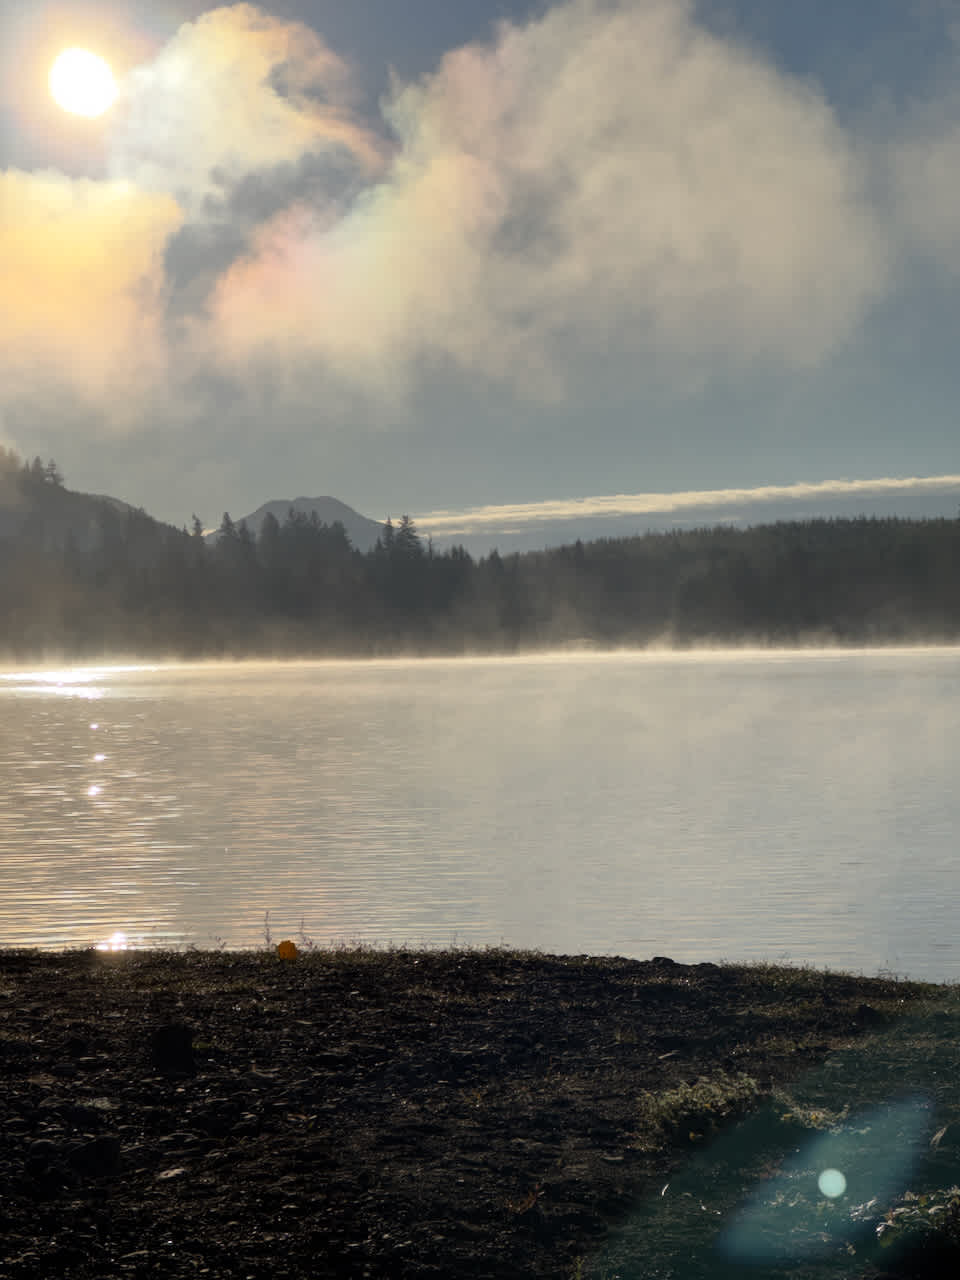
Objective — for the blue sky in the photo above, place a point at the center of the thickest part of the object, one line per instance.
(435, 257)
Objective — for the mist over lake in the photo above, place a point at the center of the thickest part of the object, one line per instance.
(706, 806)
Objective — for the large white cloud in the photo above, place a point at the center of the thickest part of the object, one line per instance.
(611, 176)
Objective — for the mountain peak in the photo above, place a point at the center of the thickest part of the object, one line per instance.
(362, 532)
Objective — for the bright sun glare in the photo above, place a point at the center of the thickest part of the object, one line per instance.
(81, 82)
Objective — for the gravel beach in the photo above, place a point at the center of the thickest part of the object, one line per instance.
(374, 1113)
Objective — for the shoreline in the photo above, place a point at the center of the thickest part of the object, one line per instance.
(406, 1113)
(46, 663)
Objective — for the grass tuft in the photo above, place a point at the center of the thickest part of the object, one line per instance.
(690, 1112)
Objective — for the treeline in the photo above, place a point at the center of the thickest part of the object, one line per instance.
(26, 479)
(133, 585)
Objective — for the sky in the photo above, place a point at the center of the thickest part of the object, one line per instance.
(484, 261)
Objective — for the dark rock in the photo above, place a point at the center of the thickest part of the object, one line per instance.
(245, 1129)
(171, 1049)
(216, 1119)
(44, 1151)
(181, 1138)
(867, 1016)
(97, 1157)
(83, 1117)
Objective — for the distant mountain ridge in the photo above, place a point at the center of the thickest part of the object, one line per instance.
(362, 532)
(36, 505)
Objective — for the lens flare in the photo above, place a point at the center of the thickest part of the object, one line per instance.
(832, 1183)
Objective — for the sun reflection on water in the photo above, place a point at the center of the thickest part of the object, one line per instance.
(62, 689)
(67, 682)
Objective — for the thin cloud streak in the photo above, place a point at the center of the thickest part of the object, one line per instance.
(638, 504)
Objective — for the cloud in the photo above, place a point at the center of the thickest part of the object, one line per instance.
(81, 265)
(239, 93)
(524, 514)
(610, 178)
(238, 115)
(607, 192)
(917, 153)
(926, 181)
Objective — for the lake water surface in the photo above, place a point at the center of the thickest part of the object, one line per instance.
(798, 806)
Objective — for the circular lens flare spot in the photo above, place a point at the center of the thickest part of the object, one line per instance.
(832, 1183)
(82, 83)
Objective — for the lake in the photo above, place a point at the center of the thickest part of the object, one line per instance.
(799, 806)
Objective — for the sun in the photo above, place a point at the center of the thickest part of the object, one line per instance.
(81, 82)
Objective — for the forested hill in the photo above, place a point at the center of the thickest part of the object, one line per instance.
(134, 586)
(36, 509)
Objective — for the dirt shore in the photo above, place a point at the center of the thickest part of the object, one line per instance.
(395, 1113)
